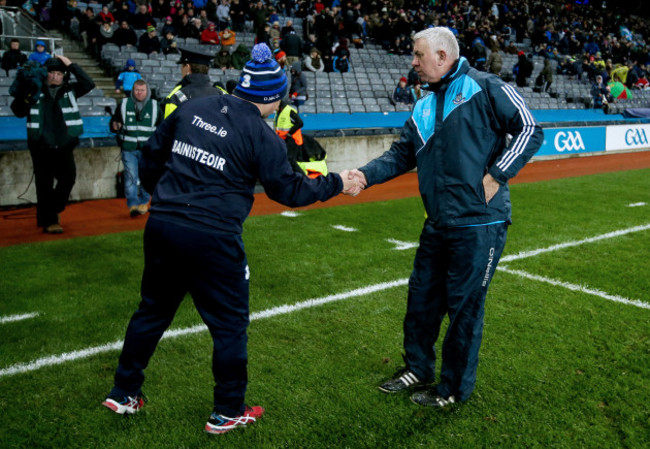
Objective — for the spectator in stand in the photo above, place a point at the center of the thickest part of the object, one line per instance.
(211, 10)
(402, 94)
(291, 44)
(198, 27)
(547, 75)
(259, 14)
(298, 89)
(123, 13)
(124, 36)
(287, 28)
(149, 42)
(632, 76)
(160, 9)
(13, 58)
(341, 56)
(39, 54)
(223, 59)
(238, 14)
(169, 26)
(168, 44)
(210, 36)
(274, 33)
(599, 93)
(522, 70)
(263, 36)
(313, 62)
(89, 31)
(494, 61)
(143, 18)
(127, 77)
(240, 56)
(105, 35)
(416, 91)
(106, 15)
(281, 59)
(228, 37)
(223, 14)
(71, 19)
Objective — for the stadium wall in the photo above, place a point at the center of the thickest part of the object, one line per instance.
(98, 160)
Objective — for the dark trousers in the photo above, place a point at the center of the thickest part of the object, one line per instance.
(214, 270)
(52, 165)
(451, 274)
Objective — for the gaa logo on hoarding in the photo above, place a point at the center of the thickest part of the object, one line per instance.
(635, 137)
(569, 141)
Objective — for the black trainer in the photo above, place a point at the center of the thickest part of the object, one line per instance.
(431, 399)
(403, 380)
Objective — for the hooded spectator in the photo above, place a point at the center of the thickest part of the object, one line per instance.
(39, 54)
(313, 61)
(240, 56)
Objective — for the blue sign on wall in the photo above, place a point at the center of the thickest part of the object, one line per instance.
(566, 141)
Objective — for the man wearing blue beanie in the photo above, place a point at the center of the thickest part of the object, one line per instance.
(202, 164)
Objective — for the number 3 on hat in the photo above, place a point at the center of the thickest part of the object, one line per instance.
(246, 82)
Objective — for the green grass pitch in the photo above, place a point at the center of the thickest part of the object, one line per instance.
(559, 367)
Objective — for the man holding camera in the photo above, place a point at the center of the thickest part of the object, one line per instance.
(54, 125)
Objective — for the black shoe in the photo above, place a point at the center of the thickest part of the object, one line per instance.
(403, 380)
(430, 399)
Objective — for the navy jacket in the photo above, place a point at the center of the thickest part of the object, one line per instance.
(455, 136)
(208, 155)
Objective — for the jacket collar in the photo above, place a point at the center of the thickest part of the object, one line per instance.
(460, 67)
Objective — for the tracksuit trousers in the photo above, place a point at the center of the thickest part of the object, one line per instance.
(452, 270)
(213, 269)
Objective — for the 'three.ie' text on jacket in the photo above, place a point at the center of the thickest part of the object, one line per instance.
(455, 136)
(209, 155)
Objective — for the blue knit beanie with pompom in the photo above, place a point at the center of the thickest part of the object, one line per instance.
(262, 80)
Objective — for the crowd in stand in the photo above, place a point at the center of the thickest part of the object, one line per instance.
(586, 40)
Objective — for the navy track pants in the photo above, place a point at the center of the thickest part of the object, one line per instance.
(452, 271)
(213, 269)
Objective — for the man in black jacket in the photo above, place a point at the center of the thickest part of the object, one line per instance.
(202, 164)
(195, 82)
(53, 129)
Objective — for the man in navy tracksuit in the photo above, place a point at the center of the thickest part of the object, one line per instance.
(457, 139)
(202, 164)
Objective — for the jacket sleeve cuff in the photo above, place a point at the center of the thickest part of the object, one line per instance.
(497, 174)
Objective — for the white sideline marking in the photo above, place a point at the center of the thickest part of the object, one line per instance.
(289, 213)
(400, 245)
(636, 204)
(34, 365)
(12, 318)
(344, 228)
(609, 235)
(75, 355)
(577, 288)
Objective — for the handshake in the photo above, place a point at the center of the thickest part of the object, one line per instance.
(354, 181)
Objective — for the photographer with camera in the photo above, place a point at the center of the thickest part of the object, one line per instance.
(54, 125)
(135, 121)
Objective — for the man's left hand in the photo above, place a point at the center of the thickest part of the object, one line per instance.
(491, 187)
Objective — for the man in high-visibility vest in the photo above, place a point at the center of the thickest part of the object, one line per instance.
(135, 120)
(195, 82)
(54, 125)
(300, 151)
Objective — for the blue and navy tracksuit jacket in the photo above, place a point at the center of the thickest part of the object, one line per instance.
(205, 159)
(455, 136)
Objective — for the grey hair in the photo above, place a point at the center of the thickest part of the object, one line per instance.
(440, 38)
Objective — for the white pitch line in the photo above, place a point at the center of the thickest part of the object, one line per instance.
(344, 228)
(268, 313)
(12, 318)
(289, 213)
(577, 288)
(636, 204)
(609, 235)
(401, 245)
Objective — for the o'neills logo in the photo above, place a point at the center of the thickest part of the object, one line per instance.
(486, 278)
